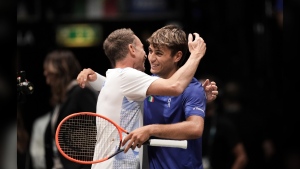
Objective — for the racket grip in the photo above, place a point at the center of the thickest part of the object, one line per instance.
(168, 143)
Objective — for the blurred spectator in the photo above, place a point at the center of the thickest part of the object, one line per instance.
(37, 151)
(272, 157)
(60, 70)
(8, 128)
(17, 155)
(8, 148)
(247, 116)
(222, 145)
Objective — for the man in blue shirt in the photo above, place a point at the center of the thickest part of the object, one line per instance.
(172, 117)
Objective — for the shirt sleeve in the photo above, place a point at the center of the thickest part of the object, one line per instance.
(194, 101)
(98, 83)
(135, 84)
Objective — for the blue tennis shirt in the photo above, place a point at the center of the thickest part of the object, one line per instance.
(171, 109)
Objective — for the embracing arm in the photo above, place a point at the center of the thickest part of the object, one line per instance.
(91, 77)
(176, 84)
(192, 128)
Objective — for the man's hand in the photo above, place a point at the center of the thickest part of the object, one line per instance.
(136, 138)
(197, 47)
(211, 90)
(85, 76)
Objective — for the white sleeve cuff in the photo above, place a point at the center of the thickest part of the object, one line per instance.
(98, 83)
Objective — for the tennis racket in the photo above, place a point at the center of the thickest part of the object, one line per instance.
(77, 134)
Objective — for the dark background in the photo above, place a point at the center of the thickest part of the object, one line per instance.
(244, 43)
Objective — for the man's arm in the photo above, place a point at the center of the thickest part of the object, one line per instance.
(176, 84)
(192, 128)
(90, 76)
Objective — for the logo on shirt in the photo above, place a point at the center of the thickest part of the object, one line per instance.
(150, 99)
(197, 108)
(169, 102)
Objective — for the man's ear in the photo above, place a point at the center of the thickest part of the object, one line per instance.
(131, 50)
(178, 56)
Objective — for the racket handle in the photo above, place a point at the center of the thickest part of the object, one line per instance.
(168, 143)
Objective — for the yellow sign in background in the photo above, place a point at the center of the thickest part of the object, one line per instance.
(78, 35)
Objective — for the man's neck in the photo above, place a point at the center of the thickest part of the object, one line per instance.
(168, 74)
(123, 64)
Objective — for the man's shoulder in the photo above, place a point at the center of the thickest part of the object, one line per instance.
(122, 69)
(124, 72)
(195, 88)
(194, 85)
(131, 74)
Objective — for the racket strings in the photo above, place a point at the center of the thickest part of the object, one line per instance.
(88, 138)
(77, 137)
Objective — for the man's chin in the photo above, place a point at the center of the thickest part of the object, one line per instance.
(153, 71)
